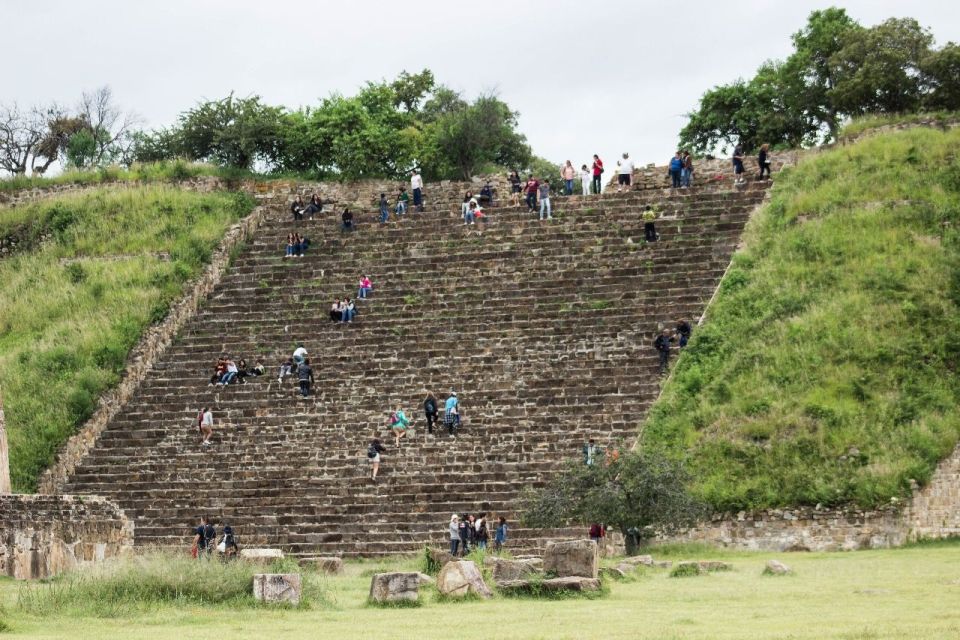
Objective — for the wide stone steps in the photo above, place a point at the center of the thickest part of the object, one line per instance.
(545, 328)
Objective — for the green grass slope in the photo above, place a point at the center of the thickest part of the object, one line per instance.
(826, 371)
(70, 311)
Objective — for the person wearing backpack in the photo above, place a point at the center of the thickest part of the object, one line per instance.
(430, 411)
(374, 449)
(399, 425)
(482, 535)
(305, 377)
(228, 544)
(204, 539)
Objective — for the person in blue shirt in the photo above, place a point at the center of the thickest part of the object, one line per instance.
(451, 413)
(399, 424)
(676, 169)
(500, 537)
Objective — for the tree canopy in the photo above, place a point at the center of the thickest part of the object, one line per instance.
(838, 69)
(385, 130)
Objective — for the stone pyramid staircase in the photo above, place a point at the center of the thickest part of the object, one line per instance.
(544, 329)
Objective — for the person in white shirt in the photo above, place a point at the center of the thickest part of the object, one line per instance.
(416, 185)
(299, 354)
(206, 425)
(585, 178)
(625, 177)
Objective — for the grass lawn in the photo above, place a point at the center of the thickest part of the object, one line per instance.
(905, 593)
(826, 369)
(72, 306)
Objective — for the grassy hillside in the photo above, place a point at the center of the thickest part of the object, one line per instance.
(71, 308)
(827, 369)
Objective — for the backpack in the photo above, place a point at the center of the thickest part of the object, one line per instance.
(372, 451)
(393, 418)
(430, 405)
(209, 532)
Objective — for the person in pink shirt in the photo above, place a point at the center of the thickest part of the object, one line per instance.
(365, 287)
(568, 173)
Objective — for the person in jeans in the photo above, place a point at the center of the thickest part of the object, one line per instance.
(467, 197)
(230, 375)
(686, 174)
(204, 539)
(384, 209)
(585, 179)
(365, 286)
(625, 173)
(470, 217)
(763, 160)
(662, 345)
(481, 533)
(568, 173)
(297, 207)
(454, 534)
(416, 185)
(402, 200)
(684, 330)
(530, 190)
(451, 413)
(431, 411)
(676, 168)
(348, 310)
(305, 377)
(286, 369)
(545, 200)
(597, 173)
(500, 536)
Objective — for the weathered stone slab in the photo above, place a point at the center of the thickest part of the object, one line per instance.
(277, 587)
(331, 565)
(646, 560)
(513, 569)
(572, 558)
(777, 568)
(395, 587)
(572, 583)
(261, 555)
(457, 579)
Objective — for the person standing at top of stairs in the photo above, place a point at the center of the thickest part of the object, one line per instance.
(416, 185)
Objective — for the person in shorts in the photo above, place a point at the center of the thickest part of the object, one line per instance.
(374, 449)
(738, 164)
(625, 174)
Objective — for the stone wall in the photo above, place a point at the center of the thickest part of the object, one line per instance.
(934, 511)
(44, 535)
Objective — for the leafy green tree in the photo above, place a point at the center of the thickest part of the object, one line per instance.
(235, 132)
(878, 70)
(641, 493)
(941, 74)
(409, 89)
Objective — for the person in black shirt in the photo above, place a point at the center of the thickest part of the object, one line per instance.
(763, 160)
(431, 411)
(315, 206)
(486, 194)
(305, 376)
(347, 218)
(229, 542)
(204, 538)
(662, 345)
(684, 330)
(374, 449)
(296, 208)
(515, 189)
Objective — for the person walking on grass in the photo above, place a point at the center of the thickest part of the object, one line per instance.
(206, 425)
(399, 425)
(649, 217)
(585, 179)
(568, 173)
(662, 345)
(500, 535)
(530, 190)
(416, 186)
(597, 174)
(454, 530)
(545, 200)
(204, 539)
(374, 449)
(305, 377)
(738, 165)
(625, 173)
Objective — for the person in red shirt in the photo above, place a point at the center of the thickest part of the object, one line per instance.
(530, 188)
(597, 172)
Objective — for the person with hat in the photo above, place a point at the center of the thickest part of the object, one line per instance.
(451, 413)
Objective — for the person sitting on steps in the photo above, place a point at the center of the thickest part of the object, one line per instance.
(465, 205)
(258, 369)
(347, 310)
(365, 287)
(290, 251)
(286, 369)
(399, 425)
(402, 202)
(684, 330)
(230, 375)
(336, 315)
(315, 206)
(346, 220)
(374, 449)
(218, 371)
(297, 207)
(470, 217)
(486, 194)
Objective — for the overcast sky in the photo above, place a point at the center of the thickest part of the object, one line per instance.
(587, 77)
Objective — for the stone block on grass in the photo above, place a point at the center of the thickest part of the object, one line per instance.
(331, 565)
(776, 568)
(263, 556)
(396, 587)
(277, 587)
(460, 578)
(572, 558)
(514, 569)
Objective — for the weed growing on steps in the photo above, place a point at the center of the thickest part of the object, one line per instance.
(826, 370)
(66, 329)
(141, 583)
